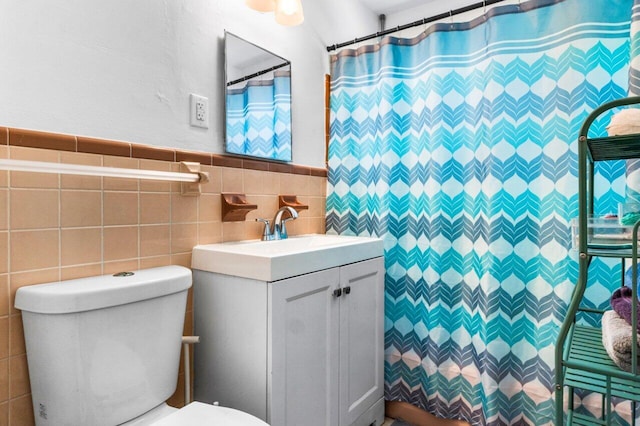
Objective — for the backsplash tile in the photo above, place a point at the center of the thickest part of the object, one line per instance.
(33, 180)
(36, 249)
(34, 208)
(59, 227)
(34, 139)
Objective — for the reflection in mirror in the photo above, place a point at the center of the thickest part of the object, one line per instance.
(258, 101)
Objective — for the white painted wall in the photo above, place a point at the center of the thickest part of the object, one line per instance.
(123, 70)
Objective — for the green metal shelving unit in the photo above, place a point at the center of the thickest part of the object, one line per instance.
(581, 360)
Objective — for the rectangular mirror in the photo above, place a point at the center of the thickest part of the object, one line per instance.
(257, 101)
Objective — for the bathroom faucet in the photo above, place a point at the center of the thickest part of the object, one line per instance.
(279, 231)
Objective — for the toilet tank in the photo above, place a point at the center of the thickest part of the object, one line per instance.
(103, 350)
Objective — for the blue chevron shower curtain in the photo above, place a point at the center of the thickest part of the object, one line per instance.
(259, 118)
(458, 148)
(633, 166)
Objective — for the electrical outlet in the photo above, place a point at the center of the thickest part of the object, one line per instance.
(199, 111)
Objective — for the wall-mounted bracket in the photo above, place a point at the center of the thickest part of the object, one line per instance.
(291, 201)
(192, 188)
(235, 207)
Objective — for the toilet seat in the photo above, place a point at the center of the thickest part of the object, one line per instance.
(198, 414)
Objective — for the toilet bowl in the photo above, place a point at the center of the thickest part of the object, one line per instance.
(105, 351)
(195, 414)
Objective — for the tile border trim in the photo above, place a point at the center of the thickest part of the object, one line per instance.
(90, 145)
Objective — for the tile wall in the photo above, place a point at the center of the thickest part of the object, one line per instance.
(57, 227)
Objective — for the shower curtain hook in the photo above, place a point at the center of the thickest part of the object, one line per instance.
(484, 6)
(451, 15)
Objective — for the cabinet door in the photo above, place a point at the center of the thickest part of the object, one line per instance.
(361, 338)
(304, 350)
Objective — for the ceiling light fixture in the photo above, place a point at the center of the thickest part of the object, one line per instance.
(262, 5)
(287, 12)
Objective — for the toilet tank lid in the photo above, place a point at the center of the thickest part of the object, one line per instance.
(85, 294)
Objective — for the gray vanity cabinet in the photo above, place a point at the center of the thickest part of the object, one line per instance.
(302, 351)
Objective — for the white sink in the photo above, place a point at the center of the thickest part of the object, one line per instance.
(276, 260)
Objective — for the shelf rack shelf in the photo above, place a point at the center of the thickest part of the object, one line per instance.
(581, 360)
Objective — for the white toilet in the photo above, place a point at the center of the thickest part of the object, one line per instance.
(105, 351)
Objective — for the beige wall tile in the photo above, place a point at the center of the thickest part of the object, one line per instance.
(82, 271)
(4, 252)
(267, 207)
(4, 379)
(80, 208)
(317, 186)
(20, 279)
(176, 186)
(4, 209)
(294, 184)
(177, 399)
(33, 208)
(78, 181)
(120, 243)
(232, 180)
(151, 185)
(152, 262)
(19, 376)
(121, 266)
(120, 208)
(183, 208)
(253, 230)
(173, 224)
(209, 208)
(215, 180)
(316, 207)
(4, 337)
(261, 183)
(187, 329)
(317, 226)
(155, 240)
(4, 294)
(183, 237)
(120, 184)
(34, 250)
(4, 175)
(155, 207)
(4, 413)
(182, 259)
(16, 336)
(189, 309)
(80, 246)
(209, 232)
(30, 179)
(21, 411)
(235, 231)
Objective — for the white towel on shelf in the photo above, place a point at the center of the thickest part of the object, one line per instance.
(616, 339)
(625, 122)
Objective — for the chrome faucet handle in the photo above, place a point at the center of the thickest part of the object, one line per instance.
(266, 234)
(283, 228)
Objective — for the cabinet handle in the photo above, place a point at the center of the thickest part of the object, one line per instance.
(337, 292)
(347, 290)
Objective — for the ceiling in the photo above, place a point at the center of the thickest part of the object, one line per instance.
(393, 6)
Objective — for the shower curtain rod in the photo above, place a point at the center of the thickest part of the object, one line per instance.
(416, 23)
(258, 74)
